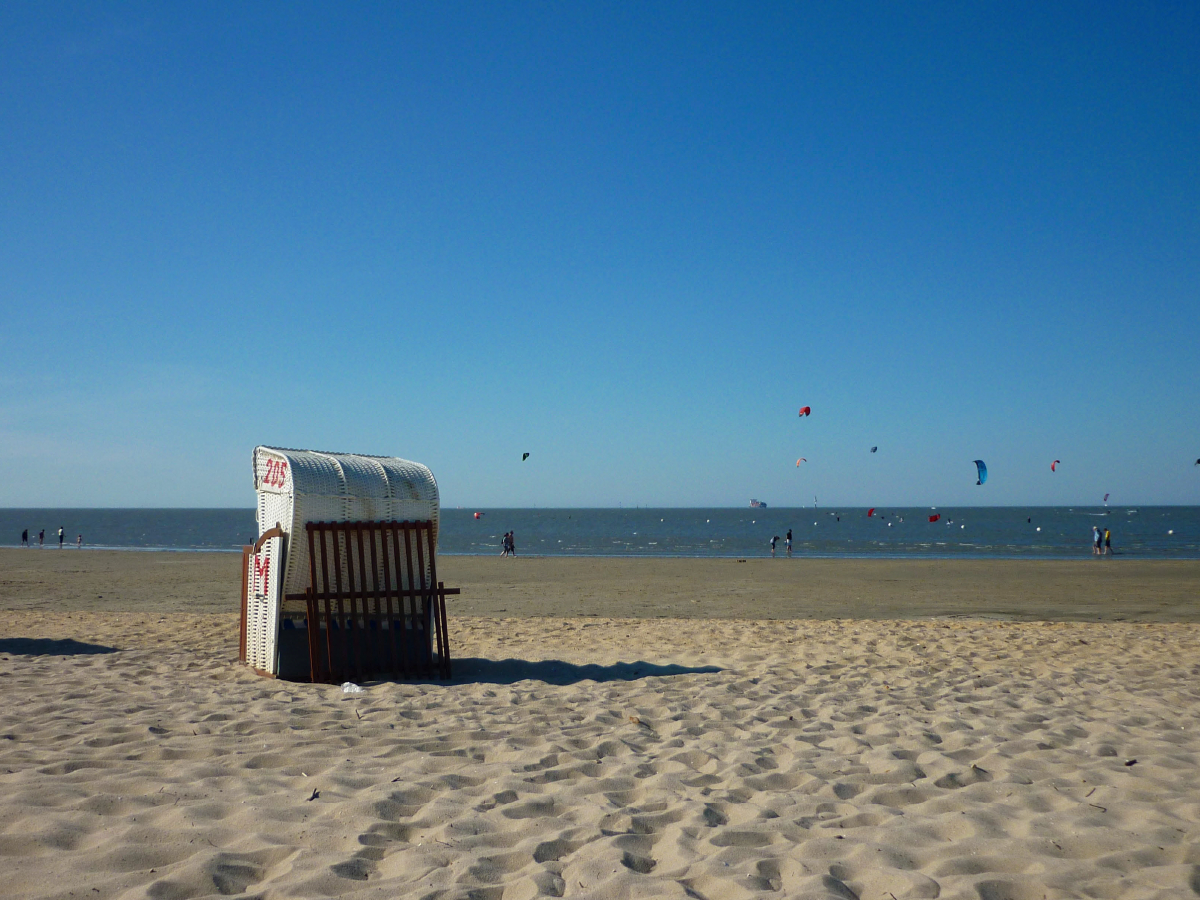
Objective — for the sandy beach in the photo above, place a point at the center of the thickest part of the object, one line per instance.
(615, 728)
(1029, 590)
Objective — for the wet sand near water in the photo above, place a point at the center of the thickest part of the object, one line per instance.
(1029, 590)
(1026, 590)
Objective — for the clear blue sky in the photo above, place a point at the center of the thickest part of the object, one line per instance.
(630, 239)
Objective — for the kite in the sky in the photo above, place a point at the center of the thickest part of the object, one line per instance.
(982, 469)
(935, 518)
(1106, 498)
(870, 512)
(524, 456)
(805, 410)
(1054, 465)
(873, 449)
(800, 460)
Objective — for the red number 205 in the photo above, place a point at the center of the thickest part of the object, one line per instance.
(275, 473)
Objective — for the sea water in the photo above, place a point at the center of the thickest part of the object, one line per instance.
(1164, 532)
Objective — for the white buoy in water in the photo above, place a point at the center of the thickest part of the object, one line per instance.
(1039, 528)
(1171, 531)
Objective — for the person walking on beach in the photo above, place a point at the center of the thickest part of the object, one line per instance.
(504, 545)
(512, 543)
(60, 537)
(79, 542)
(787, 542)
(41, 538)
(1107, 542)
(1095, 541)
(25, 538)
(774, 538)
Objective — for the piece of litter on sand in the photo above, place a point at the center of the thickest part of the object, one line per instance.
(315, 795)
(1131, 762)
(349, 687)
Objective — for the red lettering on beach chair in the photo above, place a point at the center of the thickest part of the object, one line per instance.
(262, 569)
(275, 474)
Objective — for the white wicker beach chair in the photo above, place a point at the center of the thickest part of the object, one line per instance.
(298, 488)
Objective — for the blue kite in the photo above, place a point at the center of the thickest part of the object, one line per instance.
(982, 471)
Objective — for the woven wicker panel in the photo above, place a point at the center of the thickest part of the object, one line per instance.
(262, 605)
(414, 493)
(366, 489)
(273, 509)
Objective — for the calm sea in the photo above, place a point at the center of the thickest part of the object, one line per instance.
(1156, 532)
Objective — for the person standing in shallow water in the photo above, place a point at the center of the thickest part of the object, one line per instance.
(787, 542)
(25, 538)
(60, 537)
(41, 538)
(1107, 542)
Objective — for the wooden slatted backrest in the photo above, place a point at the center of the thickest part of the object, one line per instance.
(374, 602)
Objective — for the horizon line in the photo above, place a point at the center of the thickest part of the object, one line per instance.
(825, 506)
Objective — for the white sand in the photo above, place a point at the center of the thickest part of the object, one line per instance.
(793, 759)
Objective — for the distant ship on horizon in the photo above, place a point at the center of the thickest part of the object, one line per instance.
(758, 504)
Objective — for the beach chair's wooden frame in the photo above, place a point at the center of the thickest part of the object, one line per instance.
(372, 590)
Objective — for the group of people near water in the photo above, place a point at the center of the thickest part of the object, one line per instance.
(1101, 541)
(41, 539)
(787, 542)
